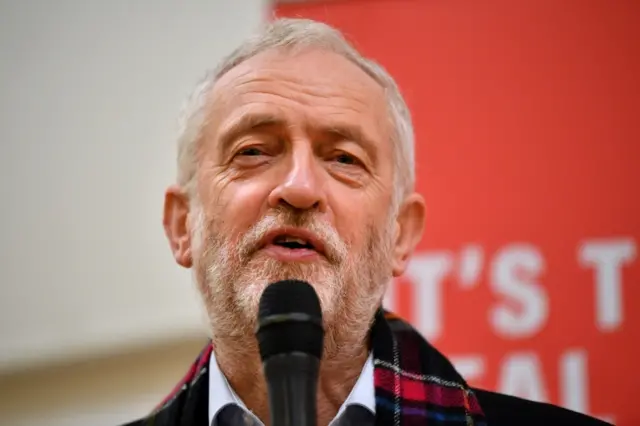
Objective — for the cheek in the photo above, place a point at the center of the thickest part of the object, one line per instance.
(352, 216)
(242, 204)
(362, 223)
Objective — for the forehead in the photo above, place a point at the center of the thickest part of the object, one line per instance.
(312, 86)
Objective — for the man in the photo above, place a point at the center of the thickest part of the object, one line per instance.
(296, 161)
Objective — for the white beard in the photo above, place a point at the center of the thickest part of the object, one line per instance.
(232, 277)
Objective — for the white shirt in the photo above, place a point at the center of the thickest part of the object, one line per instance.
(221, 393)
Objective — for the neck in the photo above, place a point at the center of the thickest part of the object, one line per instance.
(339, 371)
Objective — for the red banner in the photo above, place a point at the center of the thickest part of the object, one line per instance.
(527, 119)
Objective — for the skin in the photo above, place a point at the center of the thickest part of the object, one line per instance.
(300, 140)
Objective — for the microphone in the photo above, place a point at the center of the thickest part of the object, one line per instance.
(290, 337)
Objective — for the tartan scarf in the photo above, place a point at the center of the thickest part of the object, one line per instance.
(414, 384)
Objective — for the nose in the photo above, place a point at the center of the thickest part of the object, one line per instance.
(302, 187)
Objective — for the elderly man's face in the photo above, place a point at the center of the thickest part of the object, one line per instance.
(296, 181)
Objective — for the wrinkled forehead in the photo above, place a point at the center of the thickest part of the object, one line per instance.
(321, 84)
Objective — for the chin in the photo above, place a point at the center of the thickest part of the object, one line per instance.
(249, 288)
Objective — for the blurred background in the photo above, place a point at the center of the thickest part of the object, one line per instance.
(528, 151)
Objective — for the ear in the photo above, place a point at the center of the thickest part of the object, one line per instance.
(409, 228)
(176, 228)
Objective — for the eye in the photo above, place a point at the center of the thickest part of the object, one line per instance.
(250, 152)
(346, 159)
(250, 156)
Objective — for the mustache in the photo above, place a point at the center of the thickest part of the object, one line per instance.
(335, 248)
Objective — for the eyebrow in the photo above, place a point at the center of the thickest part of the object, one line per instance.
(245, 123)
(254, 120)
(353, 133)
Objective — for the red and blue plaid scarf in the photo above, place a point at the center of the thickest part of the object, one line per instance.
(414, 384)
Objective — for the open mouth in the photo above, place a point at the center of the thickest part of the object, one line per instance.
(293, 243)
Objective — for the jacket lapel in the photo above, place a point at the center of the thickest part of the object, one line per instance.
(188, 403)
(415, 384)
(195, 411)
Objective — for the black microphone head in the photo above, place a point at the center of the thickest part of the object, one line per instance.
(290, 320)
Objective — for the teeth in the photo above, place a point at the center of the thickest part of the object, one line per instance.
(286, 239)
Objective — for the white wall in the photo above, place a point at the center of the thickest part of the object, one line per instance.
(89, 95)
(101, 392)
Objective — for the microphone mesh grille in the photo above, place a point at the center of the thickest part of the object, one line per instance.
(286, 336)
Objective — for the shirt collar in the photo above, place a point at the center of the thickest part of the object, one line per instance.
(221, 393)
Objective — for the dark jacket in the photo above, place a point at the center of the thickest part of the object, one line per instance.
(414, 384)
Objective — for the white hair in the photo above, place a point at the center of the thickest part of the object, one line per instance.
(294, 34)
